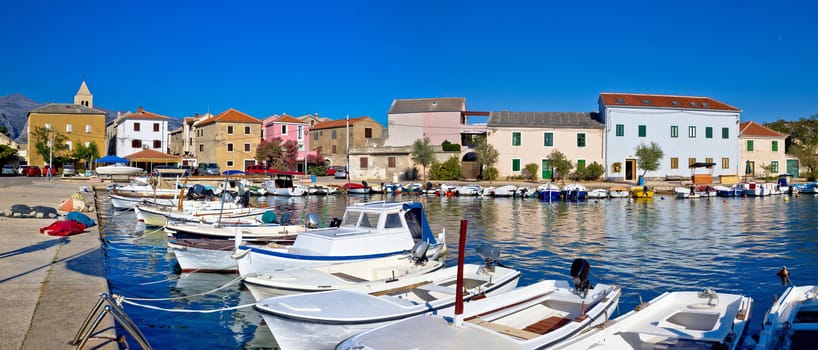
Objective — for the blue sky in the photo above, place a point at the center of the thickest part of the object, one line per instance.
(335, 58)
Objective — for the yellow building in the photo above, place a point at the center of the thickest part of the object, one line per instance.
(331, 137)
(229, 139)
(79, 123)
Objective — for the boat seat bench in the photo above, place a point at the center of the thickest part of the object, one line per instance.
(531, 331)
(348, 277)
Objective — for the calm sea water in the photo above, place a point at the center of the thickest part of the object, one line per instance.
(646, 247)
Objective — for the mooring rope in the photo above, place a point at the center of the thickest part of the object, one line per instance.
(184, 310)
(228, 284)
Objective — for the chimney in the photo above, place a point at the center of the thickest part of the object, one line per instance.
(139, 110)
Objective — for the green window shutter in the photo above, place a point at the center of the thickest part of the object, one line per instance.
(774, 166)
(580, 140)
(643, 130)
(708, 132)
(516, 139)
(775, 146)
(725, 133)
(515, 165)
(580, 163)
(620, 129)
(749, 145)
(548, 139)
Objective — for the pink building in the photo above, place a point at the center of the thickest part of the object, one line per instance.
(288, 128)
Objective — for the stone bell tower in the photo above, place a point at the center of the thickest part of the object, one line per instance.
(84, 97)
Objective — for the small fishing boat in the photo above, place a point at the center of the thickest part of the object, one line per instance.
(282, 185)
(532, 317)
(321, 320)
(523, 192)
(356, 188)
(574, 192)
(598, 193)
(468, 190)
(674, 320)
(686, 192)
(250, 232)
(118, 169)
(502, 191)
(792, 321)
(641, 192)
(548, 192)
(619, 192)
(196, 211)
(732, 191)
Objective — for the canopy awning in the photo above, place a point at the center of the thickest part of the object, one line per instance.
(151, 156)
(111, 159)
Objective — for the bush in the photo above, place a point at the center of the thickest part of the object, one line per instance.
(450, 147)
(593, 171)
(530, 171)
(448, 170)
(490, 173)
(410, 174)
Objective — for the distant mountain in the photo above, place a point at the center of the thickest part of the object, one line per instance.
(14, 110)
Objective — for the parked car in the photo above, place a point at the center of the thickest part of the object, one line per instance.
(22, 170)
(207, 169)
(8, 170)
(47, 169)
(341, 173)
(68, 170)
(32, 170)
(331, 171)
(256, 169)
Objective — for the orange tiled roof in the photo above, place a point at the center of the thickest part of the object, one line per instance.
(752, 128)
(150, 154)
(143, 114)
(288, 119)
(338, 123)
(229, 116)
(664, 101)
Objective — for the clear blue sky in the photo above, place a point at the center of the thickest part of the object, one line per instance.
(335, 58)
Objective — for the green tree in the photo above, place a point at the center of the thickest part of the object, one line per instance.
(422, 153)
(490, 173)
(593, 171)
(487, 156)
(8, 154)
(808, 158)
(86, 153)
(649, 156)
(4, 130)
(530, 171)
(41, 136)
(448, 170)
(562, 166)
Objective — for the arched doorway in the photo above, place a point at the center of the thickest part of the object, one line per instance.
(469, 168)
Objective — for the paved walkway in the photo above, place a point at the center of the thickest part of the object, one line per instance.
(48, 284)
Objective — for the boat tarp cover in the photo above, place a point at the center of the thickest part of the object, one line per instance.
(416, 220)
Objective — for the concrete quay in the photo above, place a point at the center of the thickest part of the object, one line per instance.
(48, 284)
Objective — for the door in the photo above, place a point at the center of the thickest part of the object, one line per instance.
(547, 170)
(792, 167)
(248, 163)
(630, 169)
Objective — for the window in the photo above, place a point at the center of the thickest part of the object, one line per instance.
(156, 127)
(643, 130)
(393, 221)
(48, 126)
(87, 143)
(516, 138)
(691, 131)
(620, 129)
(773, 166)
(364, 163)
(334, 134)
(691, 161)
(775, 146)
(230, 130)
(334, 149)
(725, 163)
(315, 136)
(725, 133)
(247, 147)
(368, 133)
(87, 128)
(708, 132)
(229, 163)
(674, 163)
(229, 147)
(391, 162)
(708, 160)
(581, 140)
(548, 139)
(247, 130)
(749, 145)
(68, 144)
(284, 129)
(136, 143)
(515, 165)
(68, 128)
(674, 131)
(157, 144)
(300, 135)
(136, 127)
(201, 147)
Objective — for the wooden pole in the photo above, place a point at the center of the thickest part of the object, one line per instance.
(458, 306)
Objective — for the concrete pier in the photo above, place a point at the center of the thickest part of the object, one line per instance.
(48, 284)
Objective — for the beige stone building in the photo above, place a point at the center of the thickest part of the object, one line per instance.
(228, 139)
(331, 136)
(762, 147)
(79, 123)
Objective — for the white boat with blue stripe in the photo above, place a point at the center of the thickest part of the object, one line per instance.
(367, 231)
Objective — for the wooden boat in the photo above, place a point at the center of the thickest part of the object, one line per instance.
(321, 320)
(532, 317)
(675, 320)
(118, 169)
(641, 192)
(792, 321)
(365, 276)
(619, 192)
(368, 230)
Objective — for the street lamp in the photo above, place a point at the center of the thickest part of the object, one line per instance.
(50, 152)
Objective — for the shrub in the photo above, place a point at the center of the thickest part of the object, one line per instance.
(593, 171)
(448, 170)
(530, 171)
(450, 147)
(490, 173)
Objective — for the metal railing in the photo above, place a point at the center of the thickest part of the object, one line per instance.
(89, 326)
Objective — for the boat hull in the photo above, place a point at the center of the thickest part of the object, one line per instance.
(204, 255)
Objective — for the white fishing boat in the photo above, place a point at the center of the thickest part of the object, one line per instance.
(674, 320)
(283, 185)
(197, 211)
(502, 191)
(203, 255)
(469, 190)
(248, 232)
(532, 317)
(127, 202)
(367, 230)
(619, 192)
(118, 169)
(321, 320)
(792, 321)
(366, 276)
(686, 192)
(598, 193)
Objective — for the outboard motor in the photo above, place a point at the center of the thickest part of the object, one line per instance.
(419, 252)
(428, 186)
(245, 199)
(336, 222)
(286, 219)
(489, 254)
(312, 220)
(366, 185)
(580, 269)
(197, 191)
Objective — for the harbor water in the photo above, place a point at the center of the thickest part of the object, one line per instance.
(732, 245)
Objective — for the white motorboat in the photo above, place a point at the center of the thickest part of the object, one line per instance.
(674, 320)
(598, 193)
(364, 276)
(203, 255)
(619, 192)
(367, 230)
(686, 193)
(469, 190)
(282, 185)
(792, 321)
(321, 320)
(118, 169)
(248, 232)
(503, 191)
(196, 211)
(532, 317)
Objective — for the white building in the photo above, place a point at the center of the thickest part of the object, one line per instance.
(141, 130)
(688, 129)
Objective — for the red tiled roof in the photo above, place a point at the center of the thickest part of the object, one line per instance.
(229, 116)
(150, 155)
(143, 114)
(288, 119)
(664, 101)
(752, 128)
(338, 123)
